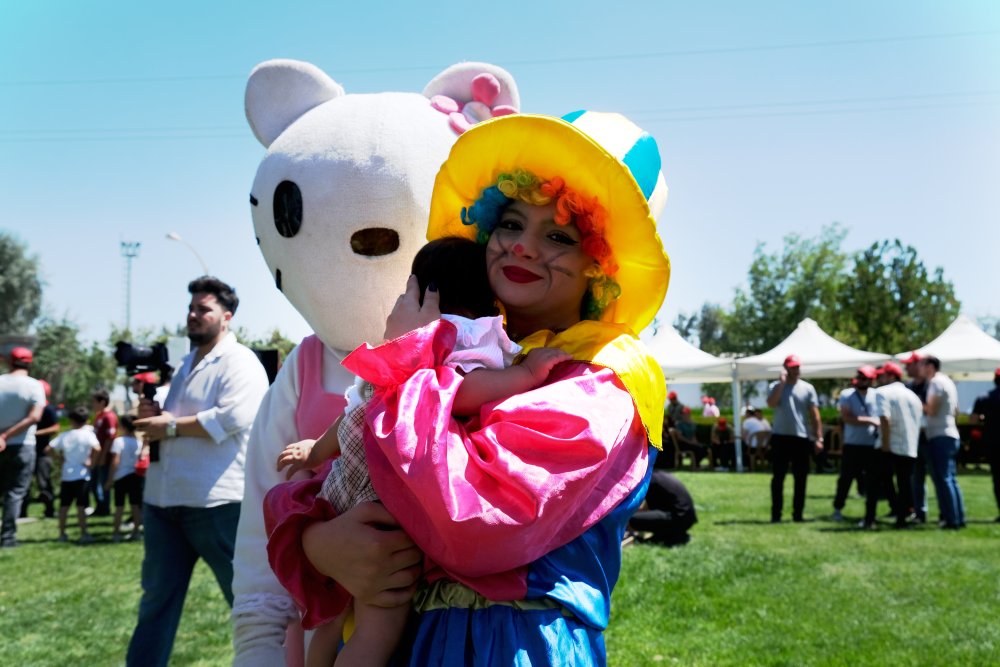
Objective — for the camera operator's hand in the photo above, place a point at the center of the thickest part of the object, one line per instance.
(148, 408)
(153, 428)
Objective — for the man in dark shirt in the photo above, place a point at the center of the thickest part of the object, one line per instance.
(987, 412)
(47, 427)
(669, 512)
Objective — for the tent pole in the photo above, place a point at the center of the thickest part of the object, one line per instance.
(737, 419)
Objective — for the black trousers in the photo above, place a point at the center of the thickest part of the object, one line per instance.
(884, 467)
(855, 460)
(789, 451)
(46, 492)
(993, 456)
(666, 527)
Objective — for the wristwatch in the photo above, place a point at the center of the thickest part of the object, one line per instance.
(172, 428)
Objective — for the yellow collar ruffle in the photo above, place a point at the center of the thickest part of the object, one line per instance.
(614, 346)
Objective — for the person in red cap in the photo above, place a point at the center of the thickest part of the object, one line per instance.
(710, 409)
(900, 412)
(918, 485)
(674, 408)
(797, 432)
(724, 444)
(22, 401)
(986, 411)
(858, 411)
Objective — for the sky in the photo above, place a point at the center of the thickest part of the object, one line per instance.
(123, 122)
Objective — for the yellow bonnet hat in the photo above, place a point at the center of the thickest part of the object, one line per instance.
(602, 155)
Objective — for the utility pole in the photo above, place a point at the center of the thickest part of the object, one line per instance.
(130, 250)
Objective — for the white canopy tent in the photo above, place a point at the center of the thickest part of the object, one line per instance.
(966, 351)
(822, 355)
(682, 362)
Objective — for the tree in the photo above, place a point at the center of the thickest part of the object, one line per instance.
(73, 370)
(803, 280)
(881, 299)
(20, 286)
(274, 341)
(892, 303)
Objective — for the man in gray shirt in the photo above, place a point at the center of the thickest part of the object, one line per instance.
(796, 418)
(22, 400)
(942, 442)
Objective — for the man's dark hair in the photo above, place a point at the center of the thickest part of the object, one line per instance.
(457, 268)
(79, 415)
(20, 363)
(225, 294)
(128, 421)
(102, 396)
(933, 361)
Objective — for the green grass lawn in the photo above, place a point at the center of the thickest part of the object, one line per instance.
(743, 592)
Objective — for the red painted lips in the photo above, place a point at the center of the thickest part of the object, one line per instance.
(516, 274)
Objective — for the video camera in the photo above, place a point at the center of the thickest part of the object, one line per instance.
(140, 359)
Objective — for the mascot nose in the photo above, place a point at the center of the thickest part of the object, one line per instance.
(375, 241)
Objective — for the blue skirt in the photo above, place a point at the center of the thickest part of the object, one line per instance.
(501, 635)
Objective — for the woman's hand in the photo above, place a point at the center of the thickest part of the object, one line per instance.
(408, 314)
(366, 552)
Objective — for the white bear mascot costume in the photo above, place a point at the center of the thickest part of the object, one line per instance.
(340, 206)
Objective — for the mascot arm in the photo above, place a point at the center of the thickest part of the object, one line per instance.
(262, 608)
(532, 473)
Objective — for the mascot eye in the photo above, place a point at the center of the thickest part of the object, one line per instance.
(375, 241)
(287, 209)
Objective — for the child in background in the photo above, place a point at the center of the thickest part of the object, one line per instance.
(79, 449)
(456, 269)
(125, 451)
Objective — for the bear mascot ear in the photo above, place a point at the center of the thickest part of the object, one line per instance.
(280, 91)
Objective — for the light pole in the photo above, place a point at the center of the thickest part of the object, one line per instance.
(174, 236)
(130, 250)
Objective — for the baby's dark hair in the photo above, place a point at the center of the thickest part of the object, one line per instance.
(79, 415)
(128, 422)
(457, 268)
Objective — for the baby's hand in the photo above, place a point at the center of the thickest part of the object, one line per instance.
(542, 360)
(297, 456)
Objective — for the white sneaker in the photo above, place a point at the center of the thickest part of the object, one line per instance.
(837, 516)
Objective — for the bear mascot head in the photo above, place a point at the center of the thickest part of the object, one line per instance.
(341, 200)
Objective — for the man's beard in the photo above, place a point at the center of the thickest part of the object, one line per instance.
(200, 338)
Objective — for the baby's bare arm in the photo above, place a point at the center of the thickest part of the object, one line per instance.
(486, 385)
(310, 453)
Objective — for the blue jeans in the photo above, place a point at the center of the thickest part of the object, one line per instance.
(175, 537)
(942, 450)
(17, 462)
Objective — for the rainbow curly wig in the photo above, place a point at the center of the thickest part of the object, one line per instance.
(572, 207)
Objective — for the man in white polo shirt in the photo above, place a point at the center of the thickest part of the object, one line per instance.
(900, 413)
(191, 504)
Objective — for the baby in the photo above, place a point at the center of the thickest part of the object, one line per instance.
(456, 269)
